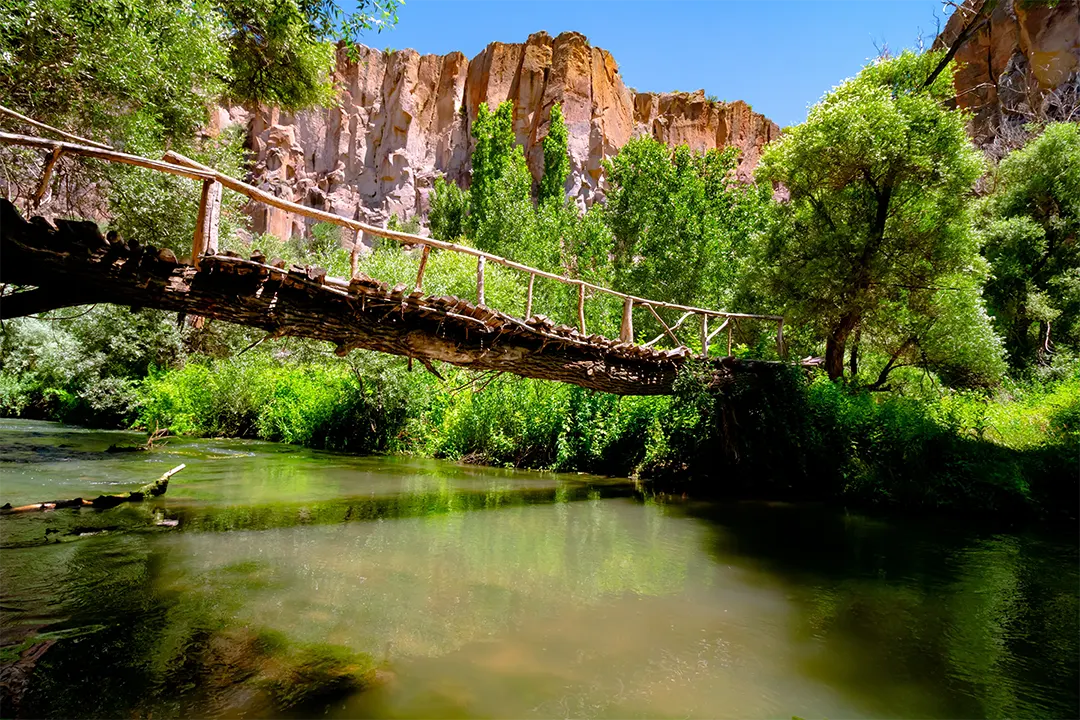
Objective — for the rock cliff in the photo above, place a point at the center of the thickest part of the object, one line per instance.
(1023, 63)
(403, 119)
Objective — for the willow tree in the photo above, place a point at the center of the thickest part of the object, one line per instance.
(879, 180)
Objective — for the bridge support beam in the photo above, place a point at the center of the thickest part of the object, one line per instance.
(39, 300)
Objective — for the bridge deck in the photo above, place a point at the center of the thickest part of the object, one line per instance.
(71, 263)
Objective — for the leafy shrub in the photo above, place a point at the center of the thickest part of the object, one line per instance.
(82, 366)
(362, 407)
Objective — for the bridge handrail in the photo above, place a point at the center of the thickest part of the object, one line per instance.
(176, 164)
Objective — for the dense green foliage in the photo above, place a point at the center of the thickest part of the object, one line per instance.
(280, 51)
(682, 224)
(1032, 221)
(556, 159)
(500, 182)
(877, 229)
(128, 72)
(449, 209)
(774, 436)
(126, 69)
(86, 369)
(142, 75)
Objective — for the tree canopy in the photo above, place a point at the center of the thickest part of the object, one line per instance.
(1030, 225)
(880, 180)
(137, 71)
(681, 221)
(556, 159)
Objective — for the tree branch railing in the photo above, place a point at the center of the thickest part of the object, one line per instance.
(205, 239)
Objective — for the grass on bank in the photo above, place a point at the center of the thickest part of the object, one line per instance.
(1015, 451)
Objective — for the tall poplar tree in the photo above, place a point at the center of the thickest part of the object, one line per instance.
(556, 159)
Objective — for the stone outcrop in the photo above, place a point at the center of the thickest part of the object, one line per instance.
(1022, 64)
(403, 119)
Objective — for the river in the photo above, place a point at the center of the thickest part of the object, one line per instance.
(276, 581)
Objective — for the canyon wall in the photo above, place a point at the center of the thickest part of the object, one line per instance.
(403, 119)
(1022, 64)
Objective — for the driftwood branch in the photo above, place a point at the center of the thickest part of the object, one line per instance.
(101, 502)
(50, 129)
(664, 325)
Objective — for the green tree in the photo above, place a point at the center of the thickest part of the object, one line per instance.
(281, 51)
(142, 74)
(133, 71)
(1030, 227)
(880, 178)
(556, 159)
(449, 210)
(500, 177)
(680, 220)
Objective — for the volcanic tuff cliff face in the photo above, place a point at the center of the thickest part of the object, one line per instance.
(1023, 63)
(405, 118)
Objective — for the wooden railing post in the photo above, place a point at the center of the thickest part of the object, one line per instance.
(704, 336)
(528, 298)
(480, 280)
(206, 227)
(354, 254)
(46, 175)
(780, 338)
(729, 327)
(626, 330)
(423, 266)
(581, 307)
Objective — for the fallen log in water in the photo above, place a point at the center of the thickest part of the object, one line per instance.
(154, 489)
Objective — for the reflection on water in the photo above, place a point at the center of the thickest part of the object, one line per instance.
(301, 583)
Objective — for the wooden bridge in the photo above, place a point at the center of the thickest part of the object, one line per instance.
(70, 263)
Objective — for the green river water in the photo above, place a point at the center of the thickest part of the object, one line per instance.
(276, 581)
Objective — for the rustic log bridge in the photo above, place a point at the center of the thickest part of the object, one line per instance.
(302, 301)
(72, 264)
(101, 502)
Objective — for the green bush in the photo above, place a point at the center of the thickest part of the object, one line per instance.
(363, 407)
(83, 366)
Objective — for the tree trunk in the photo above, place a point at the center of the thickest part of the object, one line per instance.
(836, 344)
(854, 360)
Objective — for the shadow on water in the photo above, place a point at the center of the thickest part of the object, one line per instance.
(988, 622)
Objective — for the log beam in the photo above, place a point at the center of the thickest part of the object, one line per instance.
(39, 300)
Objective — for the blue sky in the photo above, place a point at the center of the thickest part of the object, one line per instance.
(779, 56)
